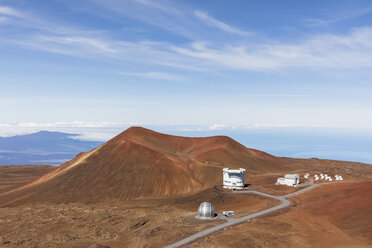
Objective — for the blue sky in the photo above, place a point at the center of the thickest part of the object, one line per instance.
(212, 63)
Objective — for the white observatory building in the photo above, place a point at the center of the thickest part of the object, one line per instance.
(289, 180)
(205, 210)
(233, 179)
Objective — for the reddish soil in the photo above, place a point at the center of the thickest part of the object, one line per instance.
(142, 163)
(12, 177)
(242, 204)
(132, 223)
(142, 189)
(347, 205)
(335, 215)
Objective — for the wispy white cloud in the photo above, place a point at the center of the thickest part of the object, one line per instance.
(166, 15)
(350, 14)
(157, 5)
(350, 50)
(217, 126)
(270, 125)
(153, 75)
(89, 46)
(353, 50)
(82, 42)
(102, 136)
(8, 11)
(209, 20)
(203, 128)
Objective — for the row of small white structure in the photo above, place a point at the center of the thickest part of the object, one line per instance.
(294, 179)
(324, 177)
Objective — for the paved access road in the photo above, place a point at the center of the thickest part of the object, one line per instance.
(234, 221)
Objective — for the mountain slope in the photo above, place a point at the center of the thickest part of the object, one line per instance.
(142, 163)
(12, 177)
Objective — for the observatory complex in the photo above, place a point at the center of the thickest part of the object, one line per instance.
(289, 180)
(233, 179)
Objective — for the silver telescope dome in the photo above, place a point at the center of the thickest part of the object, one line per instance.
(206, 210)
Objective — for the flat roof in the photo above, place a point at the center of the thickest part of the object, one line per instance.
(233, 170)
(291, 176)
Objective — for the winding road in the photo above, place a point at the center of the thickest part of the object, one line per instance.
(234, 221)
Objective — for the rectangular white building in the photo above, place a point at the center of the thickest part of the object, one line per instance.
(289, 180)
(233, 179)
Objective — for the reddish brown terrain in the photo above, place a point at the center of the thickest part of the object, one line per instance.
(12, 177)
(337, 215)
(143, 188)
(142, 163)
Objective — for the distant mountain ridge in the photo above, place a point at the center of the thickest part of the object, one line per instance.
(42, 148)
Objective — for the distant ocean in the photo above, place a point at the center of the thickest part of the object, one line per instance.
(338, 144)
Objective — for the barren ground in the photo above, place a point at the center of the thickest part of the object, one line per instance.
(135, 223)
(14, 176)
(111, 196)
(142, 223)
(335, 215)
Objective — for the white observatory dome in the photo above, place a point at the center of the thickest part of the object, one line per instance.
(206, 210)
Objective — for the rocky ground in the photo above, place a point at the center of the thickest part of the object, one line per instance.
(338, 214)
(142, 223)
(334, 215)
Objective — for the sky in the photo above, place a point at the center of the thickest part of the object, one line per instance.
(209, 63)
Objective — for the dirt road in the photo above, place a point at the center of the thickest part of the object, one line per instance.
(234, 221)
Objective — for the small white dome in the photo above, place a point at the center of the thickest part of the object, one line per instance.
(206, 210)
